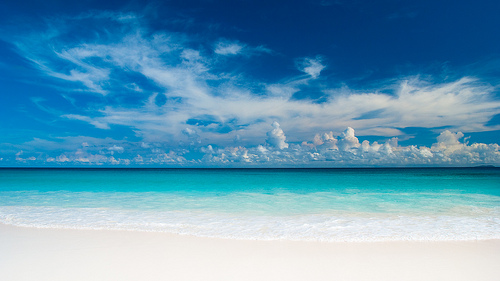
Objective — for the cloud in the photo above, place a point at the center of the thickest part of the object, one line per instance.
(347, 140)
(324, 150)
(232, 48)
(90, 120)
(465, 105)
(282, 90)
(62, 158)
(116, 148)
(134, 87)
(449, 142)
(311, 66)
(189, 132)
(135, 67)
(226, 48)
(195, 84)
(276, 137)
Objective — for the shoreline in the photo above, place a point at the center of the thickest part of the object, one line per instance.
(68, 254)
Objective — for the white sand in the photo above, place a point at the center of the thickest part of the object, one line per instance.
(50, 254)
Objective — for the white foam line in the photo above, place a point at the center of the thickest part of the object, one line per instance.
(318, 227)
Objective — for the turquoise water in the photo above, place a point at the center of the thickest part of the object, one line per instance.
(263, 204)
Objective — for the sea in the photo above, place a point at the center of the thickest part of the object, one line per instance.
(329, 205)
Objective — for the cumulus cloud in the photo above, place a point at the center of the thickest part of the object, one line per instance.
(276, 137)
(448, 141)
(323, 150)
(348, 140)
(62, 158)
(324, 140)
(116, 148)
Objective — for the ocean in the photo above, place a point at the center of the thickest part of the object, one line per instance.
(331, 205)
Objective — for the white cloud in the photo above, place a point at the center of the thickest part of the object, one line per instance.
(464, 105)
(189, 132)
(322, 151)
(226, 48)
(196, 86)
(116, 148)
(193, 88)
(276, 137)
(311, 66)
(134, 87)
(449, 142)
(232, 48)
(90, 120)
(192, 135)
(62, 158)
(347, 140)
(138, 159)
(281, 90)
(18, 156)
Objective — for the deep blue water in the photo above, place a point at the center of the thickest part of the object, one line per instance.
(296, 204)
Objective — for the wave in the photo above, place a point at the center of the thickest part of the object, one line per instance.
(464, 224)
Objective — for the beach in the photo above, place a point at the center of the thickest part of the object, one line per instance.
(67, 254)
(267, 224)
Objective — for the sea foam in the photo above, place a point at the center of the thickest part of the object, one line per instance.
(354, 227)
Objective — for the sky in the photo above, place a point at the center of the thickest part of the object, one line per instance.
(201, 83)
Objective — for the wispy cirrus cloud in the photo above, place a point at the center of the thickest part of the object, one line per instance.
(230, 48)
(311, 66)
(88, 119)
(465, 105)
(226, 48)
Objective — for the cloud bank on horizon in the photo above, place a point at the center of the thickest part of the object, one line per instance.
(115, 90)
(326, 150)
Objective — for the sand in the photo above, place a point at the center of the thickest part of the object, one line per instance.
(57, 254)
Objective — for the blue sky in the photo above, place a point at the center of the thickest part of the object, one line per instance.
(250, 83)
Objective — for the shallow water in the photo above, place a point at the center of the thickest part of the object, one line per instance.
(264, 204)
